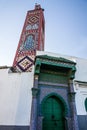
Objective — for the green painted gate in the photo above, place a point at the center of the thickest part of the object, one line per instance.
(53, 114)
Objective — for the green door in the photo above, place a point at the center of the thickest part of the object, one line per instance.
(53, 114)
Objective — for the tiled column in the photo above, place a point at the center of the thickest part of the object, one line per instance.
(33, 123)
(74, 121)
(67, 123)
(40, 122)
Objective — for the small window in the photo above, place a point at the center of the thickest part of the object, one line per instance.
(86, 104)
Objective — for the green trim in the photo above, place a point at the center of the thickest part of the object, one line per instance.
(60, 98)
(54, 78)
(55, 58)
(55, 62)
(37, 67)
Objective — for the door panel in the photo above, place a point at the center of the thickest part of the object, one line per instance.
(53, 114)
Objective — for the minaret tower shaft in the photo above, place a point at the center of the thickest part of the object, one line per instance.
(31, 40)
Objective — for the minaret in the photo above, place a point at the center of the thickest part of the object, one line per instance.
(31, 39)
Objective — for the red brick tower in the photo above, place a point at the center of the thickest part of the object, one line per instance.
(31, 39)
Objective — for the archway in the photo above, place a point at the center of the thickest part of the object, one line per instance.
(86, 104)
(53, 111)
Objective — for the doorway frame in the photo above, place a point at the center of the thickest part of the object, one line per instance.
(65, 114)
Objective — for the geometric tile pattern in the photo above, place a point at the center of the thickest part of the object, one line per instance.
(33, 19)
(30, 40)
(28, 44)
(25, 63)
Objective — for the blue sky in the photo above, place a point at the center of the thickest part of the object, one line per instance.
(65, 26)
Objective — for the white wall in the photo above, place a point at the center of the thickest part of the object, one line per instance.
(15, 97)
(81, 95)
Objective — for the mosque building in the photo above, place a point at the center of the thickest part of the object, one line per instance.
(42, 90)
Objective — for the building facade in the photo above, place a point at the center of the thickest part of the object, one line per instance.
(42, 91)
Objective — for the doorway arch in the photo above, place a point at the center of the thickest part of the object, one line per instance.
(54, 110)
(86, 104)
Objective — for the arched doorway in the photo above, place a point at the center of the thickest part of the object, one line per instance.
(86, 104)
(53, 114)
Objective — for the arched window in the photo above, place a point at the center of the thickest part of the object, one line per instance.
(86, 104)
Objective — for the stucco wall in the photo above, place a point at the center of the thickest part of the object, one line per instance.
(81, 95)
(15, 97)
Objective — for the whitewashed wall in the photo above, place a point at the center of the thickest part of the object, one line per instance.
(15, 97)
(81, 95)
